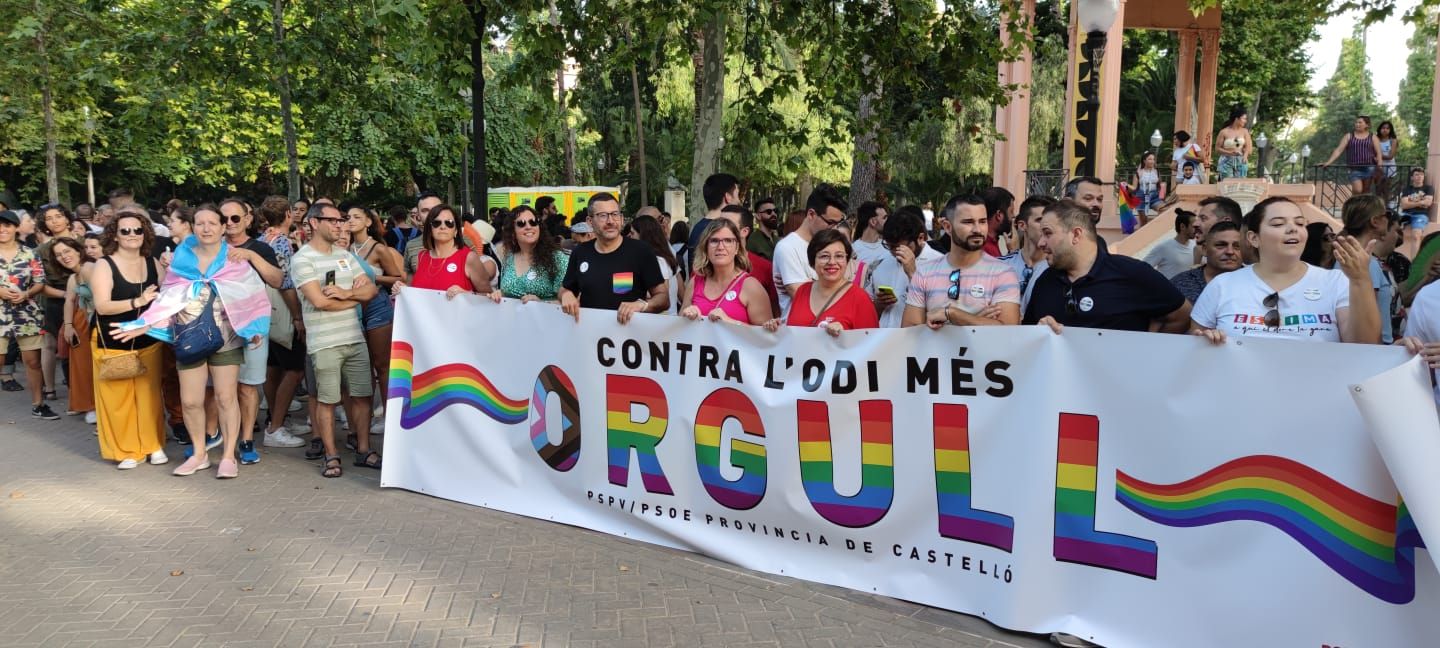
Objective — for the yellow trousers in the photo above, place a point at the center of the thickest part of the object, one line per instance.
(129, 412)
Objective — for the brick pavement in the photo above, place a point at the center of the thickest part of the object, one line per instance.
(91, 556)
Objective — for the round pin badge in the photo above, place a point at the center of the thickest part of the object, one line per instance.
(450, 267)
(977, 291)
(531, 275)
(584, 265)
(1312, 294)
(730, 295)
(1086, 304)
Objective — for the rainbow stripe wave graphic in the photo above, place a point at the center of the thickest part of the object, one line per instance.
(440, 387)
(1368, 542)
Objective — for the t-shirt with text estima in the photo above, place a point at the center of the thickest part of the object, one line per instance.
(1234, 302)
(607, 280)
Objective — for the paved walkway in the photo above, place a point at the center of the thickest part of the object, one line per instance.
(90, 556)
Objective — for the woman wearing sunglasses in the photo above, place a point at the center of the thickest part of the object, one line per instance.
(832, 302)
(534, 264)
(208, 308)
(122, 283)
(1281, 296)
(722, 288)
(69, 254)
(444, 264)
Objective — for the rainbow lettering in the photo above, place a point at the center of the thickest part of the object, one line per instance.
(562, 456)
(1368, 542)
(747, 491)
(622, 282)
(440, 387)
(958, 519)
(620, 393)
(1076, 539)
(877, 459)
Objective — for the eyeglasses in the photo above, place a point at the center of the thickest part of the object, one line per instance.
(442, 224)
(724, 242)
(130, 231)
(954, 291)
(766, 211)
(615, 215)
(829, 224)
(838, 257)
(526, 223)
(330, 220)
(231, 219)
(1272, 317)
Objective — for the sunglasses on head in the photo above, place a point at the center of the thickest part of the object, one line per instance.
(130, 231)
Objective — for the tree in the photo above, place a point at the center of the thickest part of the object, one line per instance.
(1349, 93)
(1413, 102)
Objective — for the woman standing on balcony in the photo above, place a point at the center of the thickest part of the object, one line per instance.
(1362, 152)
(1148, 186)
(1233, 144)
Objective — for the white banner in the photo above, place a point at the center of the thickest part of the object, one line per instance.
(1138, 490)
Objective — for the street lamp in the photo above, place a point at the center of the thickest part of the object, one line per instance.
(1155, 139)
(1294, 159)
(1304, 158)
(1096, 17)
(89, 166)
(1261, 143)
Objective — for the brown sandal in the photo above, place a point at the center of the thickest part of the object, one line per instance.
(331, 471)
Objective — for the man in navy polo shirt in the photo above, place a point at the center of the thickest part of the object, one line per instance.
(1087, 286)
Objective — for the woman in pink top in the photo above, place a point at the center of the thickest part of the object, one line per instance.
(722, 288)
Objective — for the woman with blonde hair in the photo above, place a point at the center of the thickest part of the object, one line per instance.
(722, 288)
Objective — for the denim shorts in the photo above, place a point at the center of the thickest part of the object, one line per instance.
(1362, 173)
(1417, 220)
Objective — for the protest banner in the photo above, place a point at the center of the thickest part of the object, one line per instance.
(1133, 489)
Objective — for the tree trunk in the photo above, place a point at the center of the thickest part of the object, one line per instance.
(287, 108)
(639, 135)
(477, 90)
(862, 169)
(47, 106)
(564, 107)
(708, 56)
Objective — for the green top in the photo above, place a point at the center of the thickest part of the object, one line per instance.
(534, 281)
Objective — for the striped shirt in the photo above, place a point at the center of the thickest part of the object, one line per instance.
(989, 281)
(326, 329)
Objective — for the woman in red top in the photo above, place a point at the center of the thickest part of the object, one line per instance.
(445, 265)
(832, 301)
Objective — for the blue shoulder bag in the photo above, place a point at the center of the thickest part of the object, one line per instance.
(199, 338)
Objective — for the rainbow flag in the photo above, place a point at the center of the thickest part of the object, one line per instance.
(1128, 203)
(428, 392)
(1369, 542)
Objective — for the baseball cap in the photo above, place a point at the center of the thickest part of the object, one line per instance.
(10, 217)
(581, 228)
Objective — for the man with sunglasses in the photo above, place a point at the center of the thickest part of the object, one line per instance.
(824, 209)
(767, 222)
(966, 287)
(237, 217)
(612, 272)
(1087, 286)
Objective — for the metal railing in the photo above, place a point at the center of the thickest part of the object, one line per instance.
(1045, 182)
(1337, 183)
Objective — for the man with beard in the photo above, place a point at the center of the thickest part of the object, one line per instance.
(1222, 255)
(1000, 205)
(612, 272)
(967, 287)
(1087, 286)
(1029, 261)
(1089, 191)
(767, 223)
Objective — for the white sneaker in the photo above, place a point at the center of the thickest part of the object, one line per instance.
(298, 428)
(378, 427)
(281, 438)
(296, 405)
(90, 417)
(126, 464)
(340, 417)
(158, 458)
(379, 411)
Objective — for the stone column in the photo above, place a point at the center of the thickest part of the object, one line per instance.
(1108, 132)
(1013, 120)
(1209, 70)
(1185, 81)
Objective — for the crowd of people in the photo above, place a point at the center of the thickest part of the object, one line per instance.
(197, 319)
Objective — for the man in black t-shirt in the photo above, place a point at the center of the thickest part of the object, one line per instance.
(1416, 199)
(612, 272)
(1087, 286)
(236, 216)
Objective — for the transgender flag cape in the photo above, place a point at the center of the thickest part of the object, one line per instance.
(241, 293)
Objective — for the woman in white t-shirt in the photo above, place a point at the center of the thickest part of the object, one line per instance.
(1283, 297)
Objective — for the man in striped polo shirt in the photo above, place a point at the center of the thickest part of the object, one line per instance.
(333, 287)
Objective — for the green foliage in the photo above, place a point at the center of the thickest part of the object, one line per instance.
(1348, 94)
(1413, 104)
